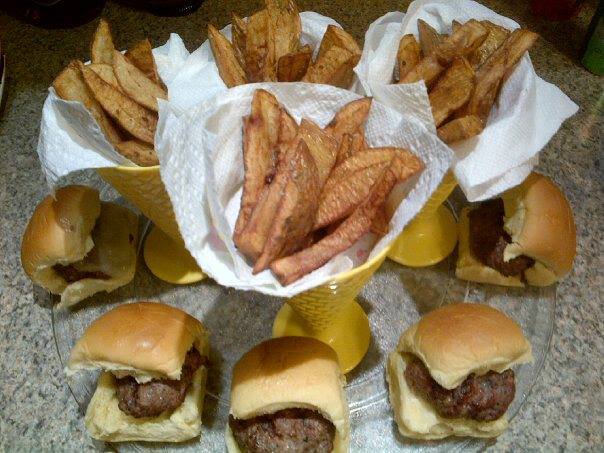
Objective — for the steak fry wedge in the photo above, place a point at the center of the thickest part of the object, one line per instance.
(238, 30)
(291, 67)
(134, 118)
(334, 67)
(141, 56)
(136, 84)
(335, 36)
(429, 38)
(105, 72)
(322, 146)
(497, 35)
(286, 26)
(266, 106)
(140, 153)
(452, 90)
(408, 55)
(460, 129)
(288, 129)
(350, 118)
(101, 48)
(359, 161)
(260, 49)
(228, 65)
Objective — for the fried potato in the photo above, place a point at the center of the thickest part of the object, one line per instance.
(322, 146)
(286, 26)
(138, 152)
(484, 94)
(291, 67)
(497, 35)
(105, 72)
(136, 84)
(70, 86)
(141, 56)
(229, 68)
(460, 129)
(452, 90)
(336, 36)
(292, 268)
(295, 215)
(357, 162)
(266, 106)
(344, 149)
(101, 49)
(238, 31)
(260, 63)
(134, 118)
(380, 224)
(288, 128)
(455, 25)
(334, 67)
(429, 38)
(408, 55)
(350, 118)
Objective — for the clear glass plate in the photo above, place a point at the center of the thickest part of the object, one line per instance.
(394, 298)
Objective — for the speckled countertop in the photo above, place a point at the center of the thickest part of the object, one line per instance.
(37, 412)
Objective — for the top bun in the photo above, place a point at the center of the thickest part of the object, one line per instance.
(291, 372)
(146, 340)
(540, 221)
(459, 339)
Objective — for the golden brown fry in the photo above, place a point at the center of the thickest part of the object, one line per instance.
(497, 35)
(429, 38)
(344, 149)
(266, 106)
(452, 90)
(335, 36)
(136, 84)
(105, 72)
(358, 142)
(260, 63)
(286, 26)
(229, 68)
(101, 48)
(322, 146)
(380, 225)
(293, 66)
(350, 118)
(70, 85)
(134, 118)
(141, 56)
(334, 67)
(484, 94)
(408, 55)
(455, 25)
(287, 127)
(239, 31)
(138, 152)
(460, 129)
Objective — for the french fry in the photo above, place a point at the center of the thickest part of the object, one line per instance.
(136, 84)
(238, 31)
(460, 129)
(335, 36)
(497, 35)
(284, 20)
(344, 149)
(70, 85)
(334, 67)
(359, 161)
(288, 129)
(429, 38)
(266, 106)
(408, 55)
(228, 66)
(350, 118)
(322, 146)
(101, 49)
(141, 56)
(484, 94)
(455, 25)
(452, 90)
(260, 63)
(291, 67)
(134, 118)
(105, 72)
(358, 142)
(138, 152)
(380, 226)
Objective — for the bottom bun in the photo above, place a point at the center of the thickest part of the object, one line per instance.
(105, 421)
(417, 419)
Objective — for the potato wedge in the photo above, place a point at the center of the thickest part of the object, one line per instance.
(141, 56)
(497, 35)
(140, 153)
(260, 63)
(238, 31)
(286, 26)
(344, 149)
(460, 129)
(334, 67)
(380, 225)
(70, 86)
(359, 161)
(408, 55)
(229, 68)
(452, 90)
(292, 268)
(105, 72)
(429, 38)
(295, 215)
(455, 25)
(136, 84)
(350, 118)
(336, 36)
(288, 129)
(134, 118)
(358, 142)
(102, 48)
(266, 106)
(323, 147)
(291, 67)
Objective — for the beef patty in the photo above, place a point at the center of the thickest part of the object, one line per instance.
(488, 239)
(483, 398)
(292, 430)
(71, 274)
(154, 397)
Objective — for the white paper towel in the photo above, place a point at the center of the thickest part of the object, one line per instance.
(71, 140)
(527, 114)
(201, 159)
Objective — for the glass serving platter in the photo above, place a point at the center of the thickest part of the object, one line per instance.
(394, 298)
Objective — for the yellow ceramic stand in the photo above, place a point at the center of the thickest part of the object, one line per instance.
(432, 235)
(164, 250)
(330, 313)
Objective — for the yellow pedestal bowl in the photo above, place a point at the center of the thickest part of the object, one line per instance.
(331, 314)
(432, 235)
(164, 250)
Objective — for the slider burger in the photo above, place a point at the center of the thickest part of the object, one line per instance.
(154, 362)
(526, 236)
(287, 395)
(75, 245)
(451, 376)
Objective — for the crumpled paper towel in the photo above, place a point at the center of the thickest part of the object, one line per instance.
(71, 140)
(527, 114)
(201, 159)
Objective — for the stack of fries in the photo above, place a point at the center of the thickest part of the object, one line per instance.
(310, 193)
(463, 71)
(267, 48)
(120, 91)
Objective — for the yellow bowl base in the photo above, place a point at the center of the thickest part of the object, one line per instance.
(349, 335)
(169, 260)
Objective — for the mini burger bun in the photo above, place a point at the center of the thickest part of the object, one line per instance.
(290, 372)
(453, 341)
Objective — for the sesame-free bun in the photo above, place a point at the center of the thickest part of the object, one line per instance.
(290, 372)
(75, 227)
(453, 341)
(540, 222)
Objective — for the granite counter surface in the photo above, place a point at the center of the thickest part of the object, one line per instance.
(37, 412)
